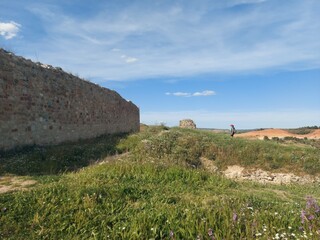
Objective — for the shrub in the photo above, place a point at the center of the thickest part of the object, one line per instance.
(210, 151)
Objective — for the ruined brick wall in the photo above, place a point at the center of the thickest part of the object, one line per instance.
(40, 104)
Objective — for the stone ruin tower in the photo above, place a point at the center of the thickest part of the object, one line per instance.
(187, 123)
(41, 104)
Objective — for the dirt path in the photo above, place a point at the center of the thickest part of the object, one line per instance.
(13, 183)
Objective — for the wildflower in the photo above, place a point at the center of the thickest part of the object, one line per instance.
(210, 232)
(303, 216)
(254, 224)
(264, 228)
(311, 217)
(312, 204)
(171, 234)
(235, 217)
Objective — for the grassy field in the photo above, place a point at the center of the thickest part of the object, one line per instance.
(159, 190)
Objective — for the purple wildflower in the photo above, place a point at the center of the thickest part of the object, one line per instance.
(210, 233)
(235, 217)
(310, 217)
(254, 224)
(312, 203)
(171, 234)
(303, 216)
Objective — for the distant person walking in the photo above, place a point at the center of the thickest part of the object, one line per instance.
(232, 130)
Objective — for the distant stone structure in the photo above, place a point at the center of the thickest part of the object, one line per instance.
(41, 105)
(187, 123)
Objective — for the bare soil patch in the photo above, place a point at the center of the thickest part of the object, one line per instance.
(239, 173)
(14, 183)
(280, 133)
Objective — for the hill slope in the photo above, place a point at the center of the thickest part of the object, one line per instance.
(160, 190)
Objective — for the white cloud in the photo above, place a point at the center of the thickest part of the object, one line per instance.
(9, 29)
(129, 59)
(181, 94)
(196, 94)
(204, 93)
(184, 39)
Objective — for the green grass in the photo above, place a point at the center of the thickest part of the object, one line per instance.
(141, 201)
(185, 147)
(303, 130)
(44, 160)
(161, 191)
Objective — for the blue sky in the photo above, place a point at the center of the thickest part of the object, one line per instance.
(252, 63)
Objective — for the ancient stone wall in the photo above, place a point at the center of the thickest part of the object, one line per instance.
(41, 105)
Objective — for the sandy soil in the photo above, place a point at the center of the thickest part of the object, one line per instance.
(14, 183)
(280, 133)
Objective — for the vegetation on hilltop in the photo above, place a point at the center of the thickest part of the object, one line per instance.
(185, 147)
(303, 130)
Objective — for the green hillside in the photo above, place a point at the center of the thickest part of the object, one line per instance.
(155, 187)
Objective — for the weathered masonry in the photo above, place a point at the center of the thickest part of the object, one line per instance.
(41, 105)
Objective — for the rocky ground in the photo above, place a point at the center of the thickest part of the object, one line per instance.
(261, 176)
(240, 173)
